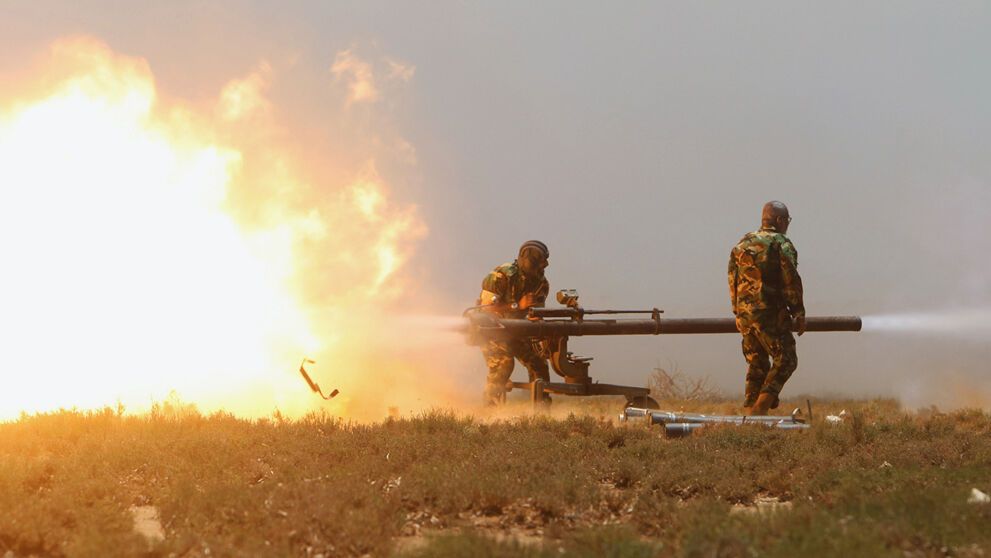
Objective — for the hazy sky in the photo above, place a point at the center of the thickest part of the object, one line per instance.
(639, 141)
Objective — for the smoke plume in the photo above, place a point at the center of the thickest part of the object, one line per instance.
(968, 324)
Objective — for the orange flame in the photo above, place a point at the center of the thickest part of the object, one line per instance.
(152, 247)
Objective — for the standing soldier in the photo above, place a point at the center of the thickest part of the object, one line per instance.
(508, 291)
(766, 291)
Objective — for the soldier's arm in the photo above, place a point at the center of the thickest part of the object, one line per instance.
(794, 295)
(732, 274)
(493, 290)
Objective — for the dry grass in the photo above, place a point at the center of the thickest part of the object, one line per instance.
(885, 482)
(672, 385)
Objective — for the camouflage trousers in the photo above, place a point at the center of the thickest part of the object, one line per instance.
(763, 343)
(500, 357)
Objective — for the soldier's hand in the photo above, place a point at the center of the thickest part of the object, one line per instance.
(526, 302)
(800, 325)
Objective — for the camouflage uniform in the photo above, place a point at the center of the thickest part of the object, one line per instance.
(766, 291)
(505, 286)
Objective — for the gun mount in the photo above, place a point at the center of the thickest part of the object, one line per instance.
(550, 328)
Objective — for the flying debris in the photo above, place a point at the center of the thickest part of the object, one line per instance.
(313, 385)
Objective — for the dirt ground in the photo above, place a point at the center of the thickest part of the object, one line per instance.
(576, 482)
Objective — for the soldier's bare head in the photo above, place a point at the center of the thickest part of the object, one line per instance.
(775, 215)
(533, 257)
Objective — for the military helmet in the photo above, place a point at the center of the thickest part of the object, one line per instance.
(538, 245)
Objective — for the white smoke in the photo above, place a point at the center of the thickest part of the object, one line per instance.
(946, 374)
(971, 324)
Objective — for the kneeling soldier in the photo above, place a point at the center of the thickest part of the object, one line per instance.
(508, 291)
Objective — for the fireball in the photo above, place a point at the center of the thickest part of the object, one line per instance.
(130, 270)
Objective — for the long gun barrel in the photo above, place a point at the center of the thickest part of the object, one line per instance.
(548, 330)
(495, 328)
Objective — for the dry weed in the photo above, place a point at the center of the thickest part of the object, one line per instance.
(884, 482)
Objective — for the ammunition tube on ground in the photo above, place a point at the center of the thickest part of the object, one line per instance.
(664, 417)
(677, 425)
(631, 412)
(718, 419)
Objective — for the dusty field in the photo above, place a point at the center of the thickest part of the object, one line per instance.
(884, 482)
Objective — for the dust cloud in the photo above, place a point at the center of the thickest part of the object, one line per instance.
(949, 376)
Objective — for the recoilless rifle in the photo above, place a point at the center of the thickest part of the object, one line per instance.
(549, 330)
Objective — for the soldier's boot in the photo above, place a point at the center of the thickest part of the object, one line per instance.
(749, 401)
(753, 391)
(490, 400)
(763, 403)
(495, 394)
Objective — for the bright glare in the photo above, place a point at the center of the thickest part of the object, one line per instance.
(124, 278)
(152, 247)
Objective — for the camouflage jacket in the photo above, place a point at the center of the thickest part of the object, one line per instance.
(507, 285)
(763, 275)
